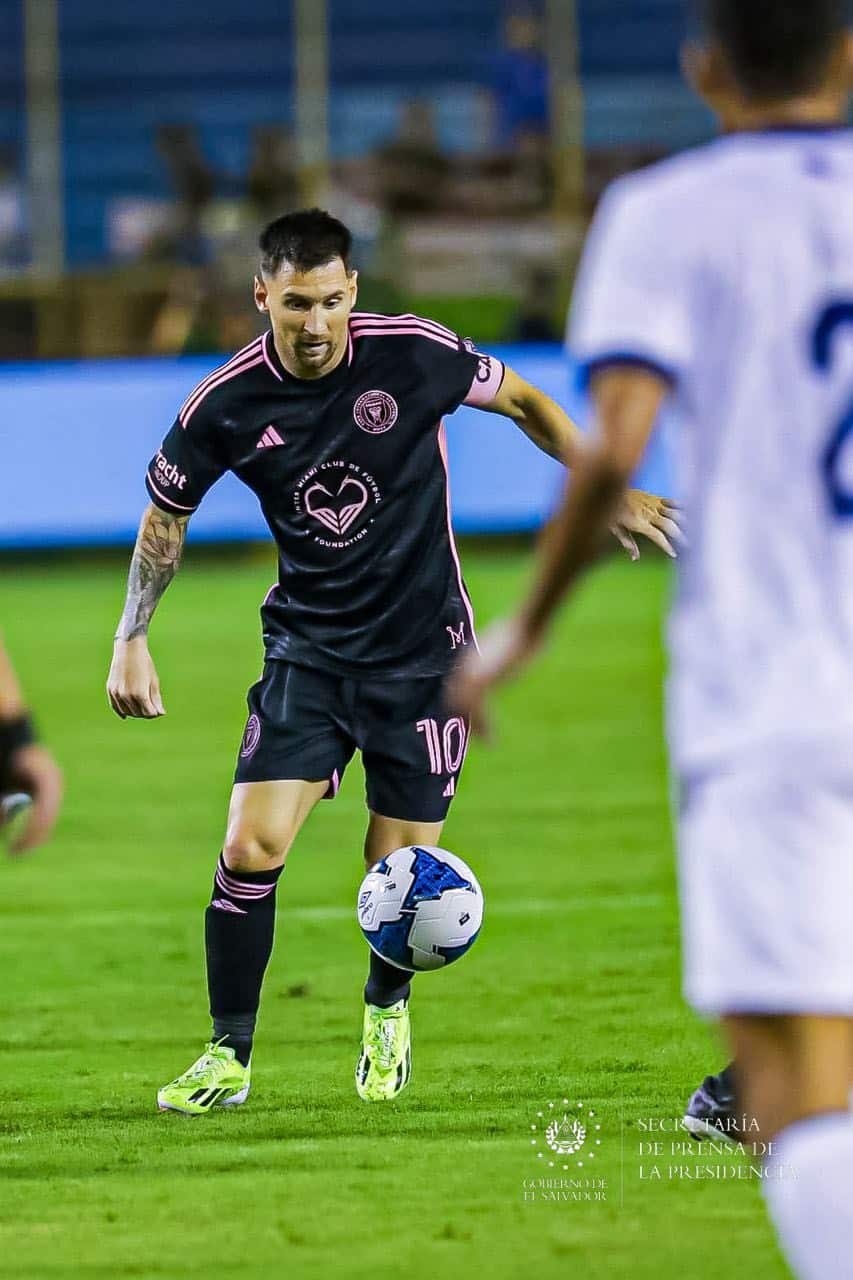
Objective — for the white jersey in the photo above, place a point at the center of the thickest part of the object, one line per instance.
(730, 270)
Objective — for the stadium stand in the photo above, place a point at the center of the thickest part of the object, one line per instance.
(196, 62)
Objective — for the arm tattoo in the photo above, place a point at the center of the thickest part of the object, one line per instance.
(156, 556)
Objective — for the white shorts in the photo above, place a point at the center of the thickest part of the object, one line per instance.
(766, 872)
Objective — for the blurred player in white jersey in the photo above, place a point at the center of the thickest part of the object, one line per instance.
(724, 278)
(28, 772)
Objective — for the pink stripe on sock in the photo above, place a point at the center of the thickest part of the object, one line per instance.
(234, 893)
(240, 889)
(243, 886)
(250, 885)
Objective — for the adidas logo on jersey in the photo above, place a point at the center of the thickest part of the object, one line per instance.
(269, 439)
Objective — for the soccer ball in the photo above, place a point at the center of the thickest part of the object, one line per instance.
(420, 908)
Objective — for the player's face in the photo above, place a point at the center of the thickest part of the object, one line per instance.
(308, 312)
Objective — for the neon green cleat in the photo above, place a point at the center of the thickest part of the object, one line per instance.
(216, 1079)
(385, 1064)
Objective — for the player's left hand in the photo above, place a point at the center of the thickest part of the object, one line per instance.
(651, 517)
(506, 647)
(34, 770)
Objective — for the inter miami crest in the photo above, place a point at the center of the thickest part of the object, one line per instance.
(375, 412)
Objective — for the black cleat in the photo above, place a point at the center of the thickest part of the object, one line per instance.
(711, 1110)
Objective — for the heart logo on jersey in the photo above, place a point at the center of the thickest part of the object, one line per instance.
(350, 500)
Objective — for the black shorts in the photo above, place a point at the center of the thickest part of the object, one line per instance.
(307, 724)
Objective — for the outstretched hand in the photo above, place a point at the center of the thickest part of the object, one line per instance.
(509, 644)
(506, 647)
(648, 516)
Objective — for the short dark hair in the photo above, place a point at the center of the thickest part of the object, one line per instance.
(307, 239)
(777, 48)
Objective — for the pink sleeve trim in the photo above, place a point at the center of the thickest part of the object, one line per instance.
(487, 382)
(161, 497)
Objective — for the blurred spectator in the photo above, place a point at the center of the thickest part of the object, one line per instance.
(520, 79)
(529, 186)
(603, 165)
(412, 171)
(193, 184)
(14, 234)
(536, 319)
(516, 183)
(177, 324)
(233, 227)
(209, 306)
(273, 183)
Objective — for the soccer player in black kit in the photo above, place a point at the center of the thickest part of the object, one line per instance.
(334, 419)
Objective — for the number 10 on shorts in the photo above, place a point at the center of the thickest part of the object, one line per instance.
(445, 744)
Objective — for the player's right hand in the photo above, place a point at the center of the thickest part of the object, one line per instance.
(133, 687)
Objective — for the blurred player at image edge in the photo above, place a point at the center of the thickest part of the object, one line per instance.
(725, 278)
(26, 768)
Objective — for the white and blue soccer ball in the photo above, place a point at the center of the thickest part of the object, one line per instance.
(420, 908)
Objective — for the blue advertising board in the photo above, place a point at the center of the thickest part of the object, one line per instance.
(77, 436)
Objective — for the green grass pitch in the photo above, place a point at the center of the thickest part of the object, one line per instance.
(571, 992)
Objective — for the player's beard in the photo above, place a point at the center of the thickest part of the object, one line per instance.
(316, 352)
(318, 358)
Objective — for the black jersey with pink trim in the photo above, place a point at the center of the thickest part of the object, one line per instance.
(351, 474)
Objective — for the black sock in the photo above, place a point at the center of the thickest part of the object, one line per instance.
(238, 929)
(727, 1081)
(386, 984)
(242, 1045)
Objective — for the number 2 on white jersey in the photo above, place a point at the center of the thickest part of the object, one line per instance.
(831, 319)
